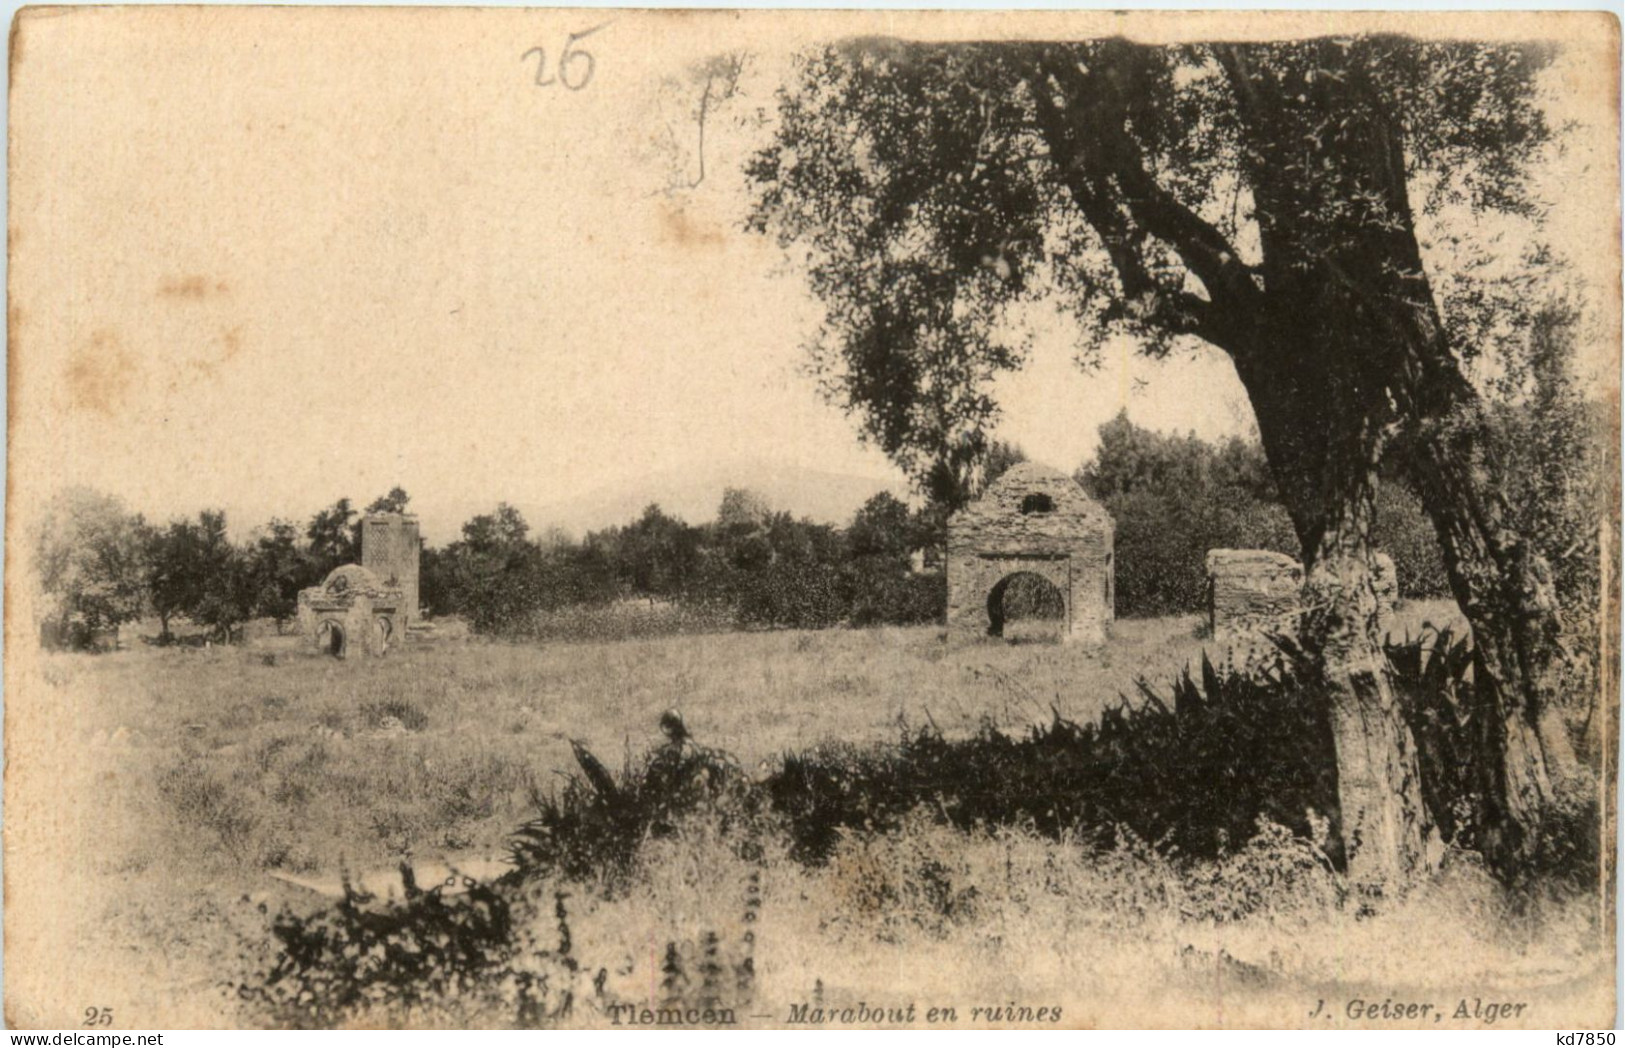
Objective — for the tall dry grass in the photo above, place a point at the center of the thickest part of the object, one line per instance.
(192, 780)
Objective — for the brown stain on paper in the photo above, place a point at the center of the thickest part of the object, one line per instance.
(682, 229)
(99, 374)
(191, 287)
(14, 50)
(231, 344)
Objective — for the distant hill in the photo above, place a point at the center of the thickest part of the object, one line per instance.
(692, 495)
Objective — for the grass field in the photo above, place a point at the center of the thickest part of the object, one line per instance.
(189, 787)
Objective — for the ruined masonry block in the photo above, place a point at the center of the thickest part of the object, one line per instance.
(1252, 592)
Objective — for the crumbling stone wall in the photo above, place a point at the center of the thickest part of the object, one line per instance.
(1038, 521)
(1254, 592)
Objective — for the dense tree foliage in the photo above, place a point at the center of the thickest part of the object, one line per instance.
(1175, 497)
(395, 501)
(281, 567)
(186, 562)
(91, 564)
(333, 537)
(225, 579)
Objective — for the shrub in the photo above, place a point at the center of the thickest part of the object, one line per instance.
(379, 712)
(1276, 872)
(591, 829)
(208, 804)
(893, 598)
(626, 620)
(792, 596)
(1436, 678)
(458, 959)
(1192, 774)
(1404, 532)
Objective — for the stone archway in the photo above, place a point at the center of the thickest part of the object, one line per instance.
(1025, 605)
(330, 639)
(1031, 520)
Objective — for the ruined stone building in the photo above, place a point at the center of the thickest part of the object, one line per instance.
(1253, 593)
(366, 608)
(1032, 521)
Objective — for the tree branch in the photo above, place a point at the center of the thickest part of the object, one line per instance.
(1106, 171)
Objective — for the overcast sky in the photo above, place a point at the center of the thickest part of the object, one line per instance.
(265, 262)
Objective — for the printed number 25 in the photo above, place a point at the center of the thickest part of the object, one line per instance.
(98, 1017)
(570, 73)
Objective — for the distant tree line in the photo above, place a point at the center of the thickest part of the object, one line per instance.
(752, 565)
(1173, 498)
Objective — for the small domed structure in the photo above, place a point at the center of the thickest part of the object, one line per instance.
(1032, 521)
(351, 611)
(351, 578)
(367, 607)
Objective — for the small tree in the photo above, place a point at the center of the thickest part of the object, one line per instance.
(281, 568)
(496, 531)
(741, 529)
(656, 554)
(334, 537)
(229, 594)
(1001, 455)
(881, 528)
(174, 572)
(194, 570)
(91, 555)
(394, 502)
(490, 573)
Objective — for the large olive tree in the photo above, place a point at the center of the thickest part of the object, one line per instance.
(1262, 198)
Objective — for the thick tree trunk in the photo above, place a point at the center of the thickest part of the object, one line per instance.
(1323, 448)
(1523, 759)
(1340, 344)
(1388, 834)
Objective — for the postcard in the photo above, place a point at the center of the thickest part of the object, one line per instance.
(845, 520)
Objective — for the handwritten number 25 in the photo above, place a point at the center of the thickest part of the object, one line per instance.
(569, 67)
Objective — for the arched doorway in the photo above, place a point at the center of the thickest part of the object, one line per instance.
(331, 639)
(1025, 607)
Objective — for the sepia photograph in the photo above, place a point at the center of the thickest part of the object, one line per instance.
(613, 519)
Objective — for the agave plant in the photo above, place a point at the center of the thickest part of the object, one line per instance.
(1434, 682)
(593, 827)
